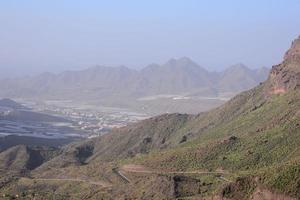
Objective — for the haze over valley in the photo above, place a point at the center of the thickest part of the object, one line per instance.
(81, 119)
(94, 101)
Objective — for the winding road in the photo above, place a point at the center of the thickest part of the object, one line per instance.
(141, 169)
(132, 169)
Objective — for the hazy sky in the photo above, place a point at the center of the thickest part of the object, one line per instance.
(54, 35)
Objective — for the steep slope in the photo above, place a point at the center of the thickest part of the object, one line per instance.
(21, 159)
(14, 159)
(286, 76)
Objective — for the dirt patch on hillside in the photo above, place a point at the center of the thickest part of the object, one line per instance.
(264, 194)
(135, 168)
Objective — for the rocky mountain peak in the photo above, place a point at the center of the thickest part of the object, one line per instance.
(182, 62)
(286, 76)
(293, 54)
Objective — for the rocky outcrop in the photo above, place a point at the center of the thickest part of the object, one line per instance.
(293, 54)
(285, 76)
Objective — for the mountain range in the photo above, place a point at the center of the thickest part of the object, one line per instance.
(247, 148)
(123, 87)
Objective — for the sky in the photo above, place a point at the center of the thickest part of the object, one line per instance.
(58, 35)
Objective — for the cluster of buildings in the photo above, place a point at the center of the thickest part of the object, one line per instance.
(96, 122)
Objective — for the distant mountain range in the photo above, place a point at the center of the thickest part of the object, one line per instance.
(177, 76)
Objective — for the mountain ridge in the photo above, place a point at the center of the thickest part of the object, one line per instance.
(175, 76)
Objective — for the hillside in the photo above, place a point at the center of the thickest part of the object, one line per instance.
(21, 159)
(9, 141)
(245, 77)
(247, 148)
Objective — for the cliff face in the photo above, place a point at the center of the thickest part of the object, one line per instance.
(286, 75)
(293, 54)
